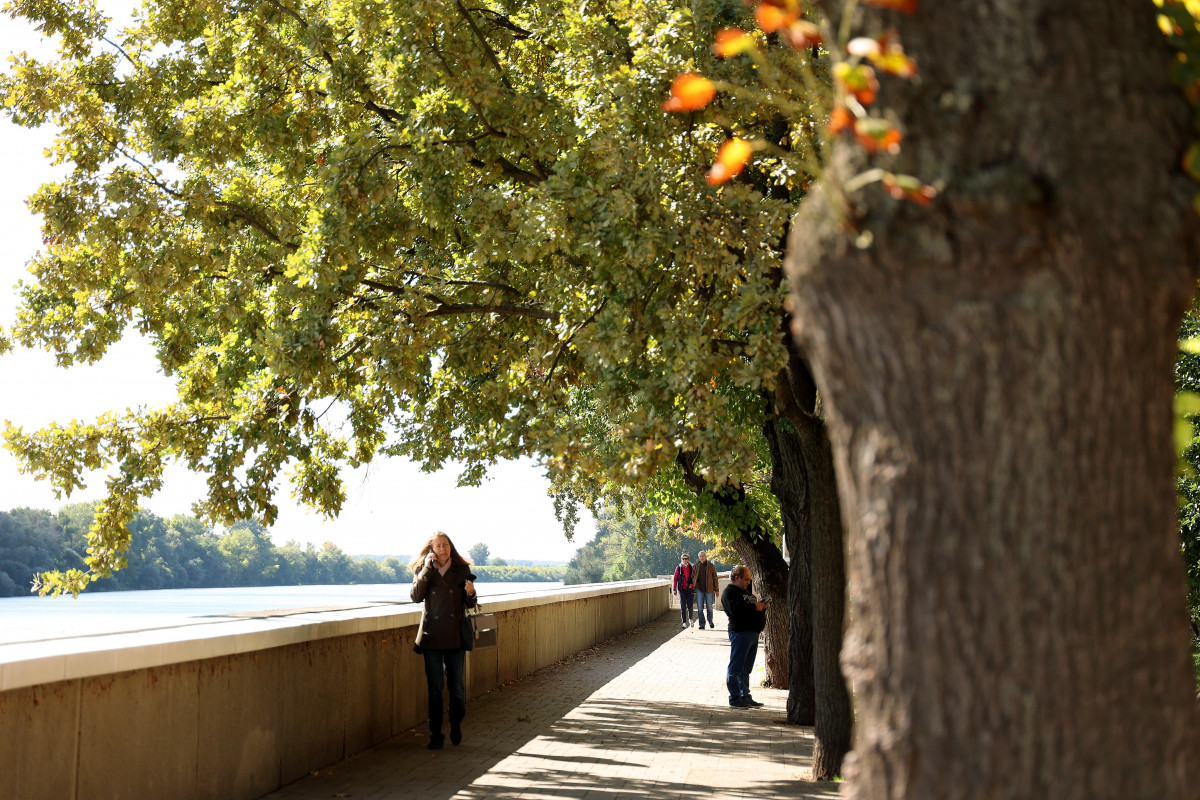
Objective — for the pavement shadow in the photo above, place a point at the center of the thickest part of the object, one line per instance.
(552, 783)
(556, 706)
(637, 724)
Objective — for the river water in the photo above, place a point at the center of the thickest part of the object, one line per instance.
(26, 619)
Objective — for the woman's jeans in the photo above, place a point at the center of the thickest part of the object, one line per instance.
(440, 664)
(685, 604)
(743, 647)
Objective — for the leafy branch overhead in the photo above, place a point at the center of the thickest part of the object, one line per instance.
(791, 55)
(357, 229)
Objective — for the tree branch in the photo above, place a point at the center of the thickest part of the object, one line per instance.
(388, 114)
(121, 50)
(485, 284)
(385, 148)
(503, 309)
(563, 346)
(385, 287)
(503, 21)
(254, 222)
(487, 48)
(511, 170)
(686, 459)
(290, 12)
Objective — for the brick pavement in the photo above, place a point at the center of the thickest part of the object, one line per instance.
(641, 716)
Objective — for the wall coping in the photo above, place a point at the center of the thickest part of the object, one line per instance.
(26, 664)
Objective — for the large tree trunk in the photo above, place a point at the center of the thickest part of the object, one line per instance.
(796, 397)
(997, 370)
(789, 485)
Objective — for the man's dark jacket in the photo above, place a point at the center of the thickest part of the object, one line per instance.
(739, 607)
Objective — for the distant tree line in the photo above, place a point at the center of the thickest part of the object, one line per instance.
(502, 573)
(177, 553)
(183, 553)
(622, 550)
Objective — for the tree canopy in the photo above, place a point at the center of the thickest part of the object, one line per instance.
(478, 553)
(353, 229)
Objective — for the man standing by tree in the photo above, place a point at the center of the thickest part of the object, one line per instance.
(706, 588)
(746, 621)
(684, 585)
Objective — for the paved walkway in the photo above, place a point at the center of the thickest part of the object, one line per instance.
(642, 716)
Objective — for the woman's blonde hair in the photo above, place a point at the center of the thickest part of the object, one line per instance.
(455, 556)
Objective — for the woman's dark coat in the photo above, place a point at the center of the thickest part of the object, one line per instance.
(444, 597)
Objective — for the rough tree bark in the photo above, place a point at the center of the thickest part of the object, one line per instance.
(765, 560)
(997, 371)
(796, 397)
(789, 485)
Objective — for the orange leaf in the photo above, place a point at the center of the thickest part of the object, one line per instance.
(907, 6)
(877, 134)
(906, 187)
(889, 57)
(731, 159)
(801, 34)
(771, 17)
(839, 120)
(690, 92)
(858, 80)
(1191, 161)
(894, 62)
(731, 41)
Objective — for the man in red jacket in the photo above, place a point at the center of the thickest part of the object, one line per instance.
(685, 586)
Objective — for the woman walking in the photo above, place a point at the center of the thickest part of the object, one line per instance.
(442, 579)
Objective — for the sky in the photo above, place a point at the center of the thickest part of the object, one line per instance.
(391, 506)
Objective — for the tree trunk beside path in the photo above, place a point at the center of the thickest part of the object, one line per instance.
(796, 398)
(789, 485)
(997, 369)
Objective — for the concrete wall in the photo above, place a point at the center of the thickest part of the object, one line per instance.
(243, 722)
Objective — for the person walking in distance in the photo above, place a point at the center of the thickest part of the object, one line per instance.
(684, 585)
(706, 588)
(746, 621)
(442, 579)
